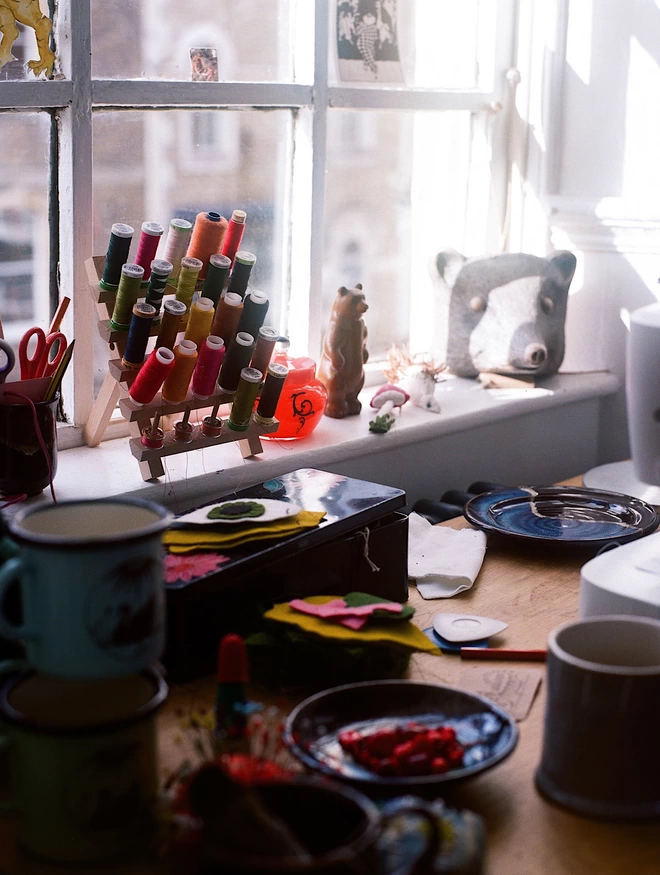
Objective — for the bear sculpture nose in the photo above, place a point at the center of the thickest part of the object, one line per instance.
(535, 354)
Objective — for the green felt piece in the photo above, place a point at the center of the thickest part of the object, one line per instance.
(235, 510)
(357, 599)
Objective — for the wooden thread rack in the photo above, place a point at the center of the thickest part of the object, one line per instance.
(115, 388)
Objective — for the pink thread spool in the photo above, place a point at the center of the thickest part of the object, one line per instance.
(152, 375)
(208, 366)
(149, 240)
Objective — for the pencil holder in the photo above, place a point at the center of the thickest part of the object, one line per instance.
(23, 466)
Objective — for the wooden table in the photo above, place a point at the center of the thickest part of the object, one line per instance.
(533, 591)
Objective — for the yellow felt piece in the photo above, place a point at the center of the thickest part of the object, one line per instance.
(404, 634)
(224, 537)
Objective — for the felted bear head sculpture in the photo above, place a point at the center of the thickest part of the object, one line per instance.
(503, 314)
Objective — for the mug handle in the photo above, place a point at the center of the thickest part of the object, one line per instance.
(8, 574)
(412, 805)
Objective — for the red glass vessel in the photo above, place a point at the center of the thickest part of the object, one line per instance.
(302, 402)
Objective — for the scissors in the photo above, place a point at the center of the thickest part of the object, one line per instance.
(42, 362)
(6, 367)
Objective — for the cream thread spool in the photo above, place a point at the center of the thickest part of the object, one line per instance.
(176, 245)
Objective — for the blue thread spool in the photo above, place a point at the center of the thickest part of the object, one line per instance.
(216, 276)
(255, 307)
(238, 357)
(160, 272)
(117, 255)
(243, 264)
(138, 335)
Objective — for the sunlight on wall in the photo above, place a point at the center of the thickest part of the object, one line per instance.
(579, 41)
(641, 174)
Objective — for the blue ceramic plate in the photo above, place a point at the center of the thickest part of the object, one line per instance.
(312, 730)
(571, 515)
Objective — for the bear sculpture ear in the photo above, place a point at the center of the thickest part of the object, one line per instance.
(448, 264)
(343, 291)
(565, 262)
(358, 286)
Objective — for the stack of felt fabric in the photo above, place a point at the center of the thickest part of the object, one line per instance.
(234, 523)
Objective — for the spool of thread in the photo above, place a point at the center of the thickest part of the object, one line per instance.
(210, 359)
(175, 387)
(138, 335)
(227, 316)
(190, 268)
(152, 375)
(234, 234)
(206, 239)
(263, 351)
(149, 240)
(255, 307)
(170, 324)
(176, 245)
(127, 295)
(200, 321)
(238, 357)
(270, 393)
(240, 275)
(246, 394)
(216, 276)
(160, 272)
(119, 245)
(152, 436)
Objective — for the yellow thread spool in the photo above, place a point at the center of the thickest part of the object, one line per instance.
(200, 321)
(175, 387)
(190, 268)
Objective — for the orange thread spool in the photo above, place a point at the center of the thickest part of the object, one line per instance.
(206, 239)
(175, 387)
(227, 316)
(200, 321)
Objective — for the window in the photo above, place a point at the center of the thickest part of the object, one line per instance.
(355, 168)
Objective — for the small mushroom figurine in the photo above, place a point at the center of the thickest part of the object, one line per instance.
(385, 400)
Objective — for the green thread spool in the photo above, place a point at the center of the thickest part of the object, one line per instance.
(160, 272)
(190, 268)
(216, 276)
(127, 295)
(246, 394)
(119, 245)
(270, 394)
(170, 324)
(240, 275)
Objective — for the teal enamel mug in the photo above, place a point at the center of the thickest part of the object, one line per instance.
(83, 763)
(91, 584)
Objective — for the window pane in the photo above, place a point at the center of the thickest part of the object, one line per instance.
(396, 194)
(24, 244)
(157, 165)
(136, 39)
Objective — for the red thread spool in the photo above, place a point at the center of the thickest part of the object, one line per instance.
(211, 426)
(208, 366)
(183, 432)
(153, 438)
(206, 239)
(149, 240)
(234, 234)
(152, 375)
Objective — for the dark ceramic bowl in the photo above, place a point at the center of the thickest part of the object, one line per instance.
(312, 729)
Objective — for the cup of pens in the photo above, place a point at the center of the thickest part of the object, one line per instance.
(28, 444)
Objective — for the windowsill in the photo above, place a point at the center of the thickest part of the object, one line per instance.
(203, 475)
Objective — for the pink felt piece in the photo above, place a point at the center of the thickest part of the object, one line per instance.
(338, 608)
(355, 623)
(191, 566)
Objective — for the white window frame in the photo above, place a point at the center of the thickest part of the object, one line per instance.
(74, 96)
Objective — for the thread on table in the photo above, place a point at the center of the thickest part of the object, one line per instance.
(176, 245)
(263, 351)
(211, 355)
(160, 273)
(207, 235)
(238, 357)
(138, 335)
(364, 534)
(200, 321)
(152, 375)
(175, 387)
(216, 277)
(40, 438)
(127, 295)
(190, 268)
(8, 500)
(149, 239)
(170, 324)
(255, 307)
(246, 394)
(240, 275)
(227, 316)
(234, 234)
(116, 256)
(270, 393)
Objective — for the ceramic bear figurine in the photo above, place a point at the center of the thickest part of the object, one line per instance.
(341, 368)
(503, 314)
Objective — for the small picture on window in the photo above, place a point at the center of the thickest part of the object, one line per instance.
(368, 41)
(204, 65)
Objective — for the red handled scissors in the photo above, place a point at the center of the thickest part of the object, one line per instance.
(42, 362)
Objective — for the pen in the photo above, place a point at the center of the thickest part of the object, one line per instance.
(56, 379)
(59, 315)
(503, 653)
